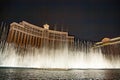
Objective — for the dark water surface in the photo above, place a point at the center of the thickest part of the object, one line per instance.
(38, 74)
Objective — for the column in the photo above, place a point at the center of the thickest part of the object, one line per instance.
(30, 40)
(36, 41)
(15, 36)
(24, 41)
(33, 39)
(18, 39)
(27, 39)
(21, 38)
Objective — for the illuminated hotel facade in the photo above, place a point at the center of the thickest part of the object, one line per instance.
(24, 34)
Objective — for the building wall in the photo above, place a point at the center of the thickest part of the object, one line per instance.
(26, 34)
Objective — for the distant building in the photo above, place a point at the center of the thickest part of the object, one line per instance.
(24, 34)
(109, 47)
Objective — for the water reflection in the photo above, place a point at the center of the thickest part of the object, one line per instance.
(36, 74)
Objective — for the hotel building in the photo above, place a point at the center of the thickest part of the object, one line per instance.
(26, 34)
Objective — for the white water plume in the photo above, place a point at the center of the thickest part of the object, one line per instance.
(55, 58)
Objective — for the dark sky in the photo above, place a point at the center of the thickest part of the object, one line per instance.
(85, 19)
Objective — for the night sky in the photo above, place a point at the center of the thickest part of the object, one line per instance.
(85, 19)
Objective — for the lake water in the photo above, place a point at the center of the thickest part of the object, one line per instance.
(38, 74)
